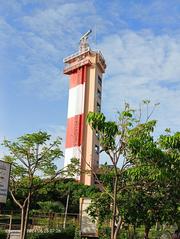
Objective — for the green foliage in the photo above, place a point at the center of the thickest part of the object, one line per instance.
(57, 191)
(142, 184)
(77, 233)
(3, 234)
(49, 206)
(104, 232)
(141, 145)
(31, 155)
(63, 234)
(100, 208)
(73, 168)
(170, 143)
(60, 188)
(107, 129)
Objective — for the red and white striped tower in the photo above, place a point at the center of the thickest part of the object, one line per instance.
(85, 70)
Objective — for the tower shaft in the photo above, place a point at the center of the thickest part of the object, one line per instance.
(85, 71)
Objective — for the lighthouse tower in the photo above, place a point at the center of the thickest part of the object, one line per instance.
(85, 69)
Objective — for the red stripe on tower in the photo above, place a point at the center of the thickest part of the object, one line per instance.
(74, 131)
(75, 121)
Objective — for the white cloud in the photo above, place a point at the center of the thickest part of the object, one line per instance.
(35, 56)
(140, 66)
(44, 38)
(46, 82)
(9, 7)
(58, 131)
(6, 34)
(63, 21)
(158, 14)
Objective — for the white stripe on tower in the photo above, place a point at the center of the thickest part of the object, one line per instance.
(76, 101)
(75, 121)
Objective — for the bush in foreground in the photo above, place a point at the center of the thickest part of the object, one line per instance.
(3, 234)
(64, 234)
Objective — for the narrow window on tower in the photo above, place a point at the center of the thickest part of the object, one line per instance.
(99, 80)
(99, 93)
(96, 149)
(98, 107)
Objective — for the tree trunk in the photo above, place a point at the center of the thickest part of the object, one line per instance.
(22, 222)
(113, 235)
(26, 218)
(146, 233)
(117, 227)
(134, 232)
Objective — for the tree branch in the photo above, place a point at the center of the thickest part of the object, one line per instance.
(15, 200)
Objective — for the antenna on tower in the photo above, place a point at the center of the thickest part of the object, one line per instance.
(84, 45)
(95, 36)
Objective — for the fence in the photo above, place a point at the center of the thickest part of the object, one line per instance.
(38, 221)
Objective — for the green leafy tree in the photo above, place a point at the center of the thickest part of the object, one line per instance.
(141, 185)
(142, 207)
(31, 156)
(121, 141)
(159, 188)
(170, 143)
(145, 175)
(60, 188)
(51, 207)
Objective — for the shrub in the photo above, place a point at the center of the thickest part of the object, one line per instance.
(3, 234)
(104, 232)
(63, 234)
(77, 233)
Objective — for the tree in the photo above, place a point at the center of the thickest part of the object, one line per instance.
(31, 156)
(141, 185)
(170, 143)
(121, 141)
(159, 185)
(51, 207)
(59, 190)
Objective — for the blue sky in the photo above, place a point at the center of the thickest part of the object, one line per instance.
(140, 40)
